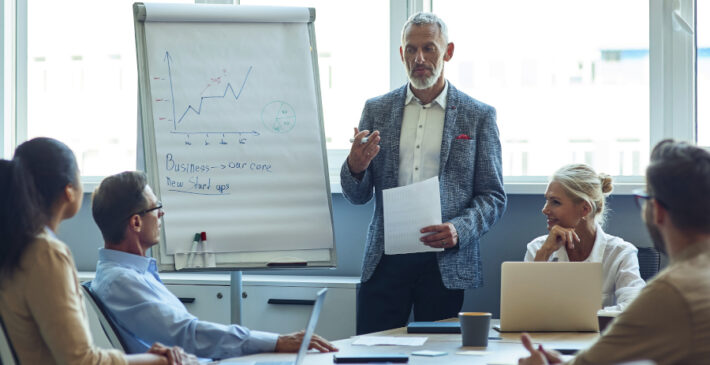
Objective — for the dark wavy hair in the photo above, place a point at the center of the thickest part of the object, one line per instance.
(29, 184)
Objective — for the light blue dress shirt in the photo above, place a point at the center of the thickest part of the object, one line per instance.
(145, 312)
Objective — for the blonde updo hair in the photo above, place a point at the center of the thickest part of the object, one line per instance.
(583, 184)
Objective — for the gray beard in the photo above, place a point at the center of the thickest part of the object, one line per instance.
(420, 84)
(428, 82)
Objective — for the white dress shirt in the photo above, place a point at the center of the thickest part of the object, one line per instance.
(620, 267)
(420, 138)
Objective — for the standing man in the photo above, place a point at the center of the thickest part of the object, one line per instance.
(669, 321)
(424, 129)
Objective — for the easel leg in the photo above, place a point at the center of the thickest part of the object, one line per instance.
(235, 289)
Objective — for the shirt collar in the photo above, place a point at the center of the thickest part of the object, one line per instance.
(139, 263)
(597, 254)
(50, 232)
(441, 99)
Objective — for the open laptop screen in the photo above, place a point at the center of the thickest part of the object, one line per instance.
(550, 296)
(311, 327)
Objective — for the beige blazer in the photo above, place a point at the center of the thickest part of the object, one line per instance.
(43, 309)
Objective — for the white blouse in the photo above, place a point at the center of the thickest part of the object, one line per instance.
(620, 267)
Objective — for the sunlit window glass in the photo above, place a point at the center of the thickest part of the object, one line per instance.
(81, 80)
(353, 57)
(703, 75)
(569, 79)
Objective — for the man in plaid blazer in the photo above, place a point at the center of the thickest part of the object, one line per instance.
(424, 129)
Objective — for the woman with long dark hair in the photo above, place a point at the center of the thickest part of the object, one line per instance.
(41, 302)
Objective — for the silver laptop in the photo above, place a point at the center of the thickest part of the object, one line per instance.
(310, 329)
(550, 296)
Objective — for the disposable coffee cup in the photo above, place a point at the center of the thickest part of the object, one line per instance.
(474, 328)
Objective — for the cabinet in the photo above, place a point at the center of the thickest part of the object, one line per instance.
(207, 296)
(207, 302)
(283, 304)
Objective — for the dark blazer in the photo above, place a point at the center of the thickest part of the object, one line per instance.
(470, 176)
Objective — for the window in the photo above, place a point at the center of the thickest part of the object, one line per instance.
(569, 79)
(703, 75)
(82, 80)
(82, 85)
(353, 49)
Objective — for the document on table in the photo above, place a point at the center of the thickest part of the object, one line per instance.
(407, 209)
(389, 341)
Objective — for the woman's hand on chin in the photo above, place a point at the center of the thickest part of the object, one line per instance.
(558, 237)
(561, 236)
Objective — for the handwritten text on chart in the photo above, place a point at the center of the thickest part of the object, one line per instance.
(172, 165)
(195, 185)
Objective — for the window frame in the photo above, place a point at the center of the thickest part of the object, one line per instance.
(672, 57)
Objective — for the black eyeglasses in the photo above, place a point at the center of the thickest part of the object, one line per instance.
(158, 207)
(641, 197)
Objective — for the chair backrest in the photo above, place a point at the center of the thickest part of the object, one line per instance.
(105, 318)
(649, 262)
(7, 352)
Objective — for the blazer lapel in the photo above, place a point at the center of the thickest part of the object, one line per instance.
(452, 101)
(395, 129)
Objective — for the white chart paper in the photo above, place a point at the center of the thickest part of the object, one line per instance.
(408, 209)
(237, 135)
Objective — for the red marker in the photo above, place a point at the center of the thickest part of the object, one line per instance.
(203, 240)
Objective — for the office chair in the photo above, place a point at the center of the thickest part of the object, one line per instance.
(105, 319)
(7, 352)
(649, 262)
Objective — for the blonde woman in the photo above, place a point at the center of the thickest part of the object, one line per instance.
(575, 207)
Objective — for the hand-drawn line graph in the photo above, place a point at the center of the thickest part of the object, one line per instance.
(190, 111)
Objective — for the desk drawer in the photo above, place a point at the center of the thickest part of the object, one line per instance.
(206, 302)
(285, 309)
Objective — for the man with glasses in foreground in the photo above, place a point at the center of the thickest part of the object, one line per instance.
(128, 214)
(669, 321)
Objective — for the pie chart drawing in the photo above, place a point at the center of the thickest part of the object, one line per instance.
(278, 116)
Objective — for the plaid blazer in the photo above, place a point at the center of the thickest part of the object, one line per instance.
(470, 177)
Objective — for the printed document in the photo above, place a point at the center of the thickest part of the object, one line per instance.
(407, 209)
(389, 341)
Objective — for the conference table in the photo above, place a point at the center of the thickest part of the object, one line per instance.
(505, 350)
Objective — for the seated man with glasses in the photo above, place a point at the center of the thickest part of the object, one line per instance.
(128, 214)
(669, 321)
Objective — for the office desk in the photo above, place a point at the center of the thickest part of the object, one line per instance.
(505, 351)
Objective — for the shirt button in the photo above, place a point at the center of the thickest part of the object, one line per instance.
(416, 169)
(420, 126)
(417, 146)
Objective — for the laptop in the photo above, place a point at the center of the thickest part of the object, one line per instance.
(310, 329)
(550, 296)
